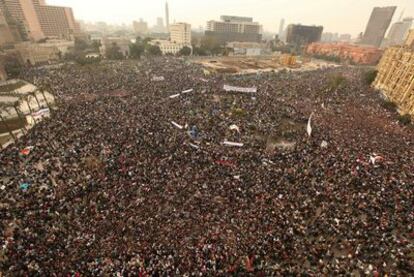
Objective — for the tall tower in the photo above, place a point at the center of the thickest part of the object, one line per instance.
(281, 27)
(167, 16)
(378, 25)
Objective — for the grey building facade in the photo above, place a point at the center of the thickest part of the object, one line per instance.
(377, 26)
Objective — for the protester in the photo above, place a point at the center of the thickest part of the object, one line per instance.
(111, 187)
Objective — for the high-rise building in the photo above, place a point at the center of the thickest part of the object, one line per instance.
(301, 35)
(167, 16)
(159, 27)
(38, 20)
(281, 27)
(377, 26)
(56, 22)
(395, 77)
(329, 37)
(9, 33)
(140, 27)
(24, 13)
(345, 38)
(234, 28)
(180, 33)
(409, 42)
(399, 31)
(233, 18)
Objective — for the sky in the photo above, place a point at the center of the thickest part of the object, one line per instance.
(339, 16)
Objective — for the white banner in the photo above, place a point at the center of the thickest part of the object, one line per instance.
(240, 89)
(309, 127)
(187, 91)
(177, 125)
(158, 78)
(235, 144)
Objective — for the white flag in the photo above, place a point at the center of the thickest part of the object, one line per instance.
(177, 125)
(309, 128)
(240, 89)
(236, 144)
(187, 91)
(234, 127)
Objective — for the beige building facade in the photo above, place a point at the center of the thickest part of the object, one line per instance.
(410, 39)
(168, 47)
(140, 27)
(396, 77)
(180, 33)
(37, 53)
(121, 42)
(56, 22)
(24, 12)
(39, 20)
(6, 35)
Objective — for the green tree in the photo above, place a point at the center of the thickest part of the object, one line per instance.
(81, 45)
(146, 40)
(370, 76)
(12, 66)
(211, 46)
(136, 49)
(199, 51)
(404, 119)
(96, 44)
(114, 52)
(154, 50)
(185, 51)
(336, 80)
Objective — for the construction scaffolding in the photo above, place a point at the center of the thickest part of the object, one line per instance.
(396, 78)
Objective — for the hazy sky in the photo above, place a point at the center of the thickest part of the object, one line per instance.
(343, 16)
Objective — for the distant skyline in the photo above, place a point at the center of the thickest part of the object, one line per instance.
(341, 16)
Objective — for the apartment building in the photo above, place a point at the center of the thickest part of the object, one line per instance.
(234, 28)
(396, 76)
(180, 33)
(24, 13)
(358, 54)
(39, 20)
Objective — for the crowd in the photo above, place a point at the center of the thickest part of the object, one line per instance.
(111, 187)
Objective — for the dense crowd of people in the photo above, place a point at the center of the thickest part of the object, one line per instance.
(109, 186)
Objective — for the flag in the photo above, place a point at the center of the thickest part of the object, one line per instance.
(236, 144)
(177, 125)
(309, 128)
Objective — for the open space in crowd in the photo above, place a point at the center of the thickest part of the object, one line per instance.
(132, 177)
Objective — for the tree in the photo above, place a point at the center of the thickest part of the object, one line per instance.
(336, 80)
(12, 66)
(211, 45)
(199, 51)
(370, 76)
(80, 45)
(96, 44)
(136, 49)
(114, 52)
(185, 51)
(154, 50)
(404, 119)
(146, 40)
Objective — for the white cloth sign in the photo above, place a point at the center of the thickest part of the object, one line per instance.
(240, 89)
